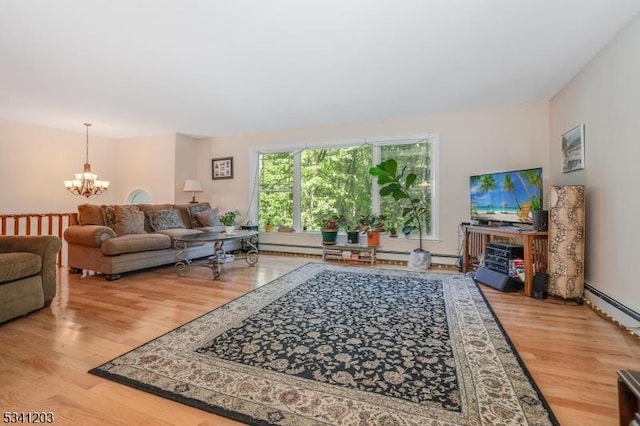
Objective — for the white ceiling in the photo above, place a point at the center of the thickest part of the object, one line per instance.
(213, 67)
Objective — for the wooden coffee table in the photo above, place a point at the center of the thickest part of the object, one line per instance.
(249, 240)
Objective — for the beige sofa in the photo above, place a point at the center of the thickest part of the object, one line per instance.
(112, 239)
(27, 273)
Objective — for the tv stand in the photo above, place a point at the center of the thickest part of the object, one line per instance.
(533, 242)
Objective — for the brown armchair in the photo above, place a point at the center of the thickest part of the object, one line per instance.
(28, 273)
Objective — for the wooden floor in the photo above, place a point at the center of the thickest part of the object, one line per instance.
(572, 353)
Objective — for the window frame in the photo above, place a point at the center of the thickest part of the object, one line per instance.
(296, 151)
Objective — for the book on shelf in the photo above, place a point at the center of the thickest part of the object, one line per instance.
(333, 251)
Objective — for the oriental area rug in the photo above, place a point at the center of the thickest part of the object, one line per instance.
(344, 345)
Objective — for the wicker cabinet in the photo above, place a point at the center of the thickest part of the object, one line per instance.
(566, 241)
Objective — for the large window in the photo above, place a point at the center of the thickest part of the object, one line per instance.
(335, 181)
(276, 189)
(301, 187)
(417, 158)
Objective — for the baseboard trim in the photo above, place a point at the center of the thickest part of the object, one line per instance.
(613, 302)
(620, 309)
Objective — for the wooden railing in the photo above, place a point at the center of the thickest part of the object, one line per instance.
(38, 224)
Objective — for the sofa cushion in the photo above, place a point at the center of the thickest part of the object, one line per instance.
(184, 213)
(129, 220)
(146, 208)
(90, 214)
(134, 243)
(197, 208)
(20, 297)
(17, 265)
(165, 219)
(209, 217)
(178, 232)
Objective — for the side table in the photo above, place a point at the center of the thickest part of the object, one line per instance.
(629, 397)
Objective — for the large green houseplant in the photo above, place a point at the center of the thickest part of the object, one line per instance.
(401, 185)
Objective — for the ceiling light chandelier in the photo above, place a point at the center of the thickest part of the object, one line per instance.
(86, 183)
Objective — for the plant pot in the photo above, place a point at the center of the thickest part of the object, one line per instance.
(419, 259)
(268, 227)
(540, 219)
(329, 236)
(353, 237)
(229, 229)
(373, 238)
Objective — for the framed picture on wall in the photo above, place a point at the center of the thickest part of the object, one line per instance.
(573, 149)
(222, 168)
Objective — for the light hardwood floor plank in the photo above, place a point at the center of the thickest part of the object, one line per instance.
(571, 352)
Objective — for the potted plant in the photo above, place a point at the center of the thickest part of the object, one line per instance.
(353, 235)
(228, 219)
(401, 186)
(393, 231)
(539, 217)
(535, 202)
(330, 230)
(372, 225)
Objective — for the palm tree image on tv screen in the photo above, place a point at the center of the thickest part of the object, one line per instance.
(508, 197)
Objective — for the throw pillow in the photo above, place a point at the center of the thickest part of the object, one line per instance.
(209, 217)
(165, 219)
(89, 214)
(129, 220)
(196, 208)
(109, 216)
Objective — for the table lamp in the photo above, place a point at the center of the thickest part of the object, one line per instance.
(193, 186)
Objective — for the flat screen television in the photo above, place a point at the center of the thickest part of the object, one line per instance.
(506, 197)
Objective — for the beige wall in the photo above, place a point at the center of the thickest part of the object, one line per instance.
(186, 159)
(35, 160)
(156, 164)
(471, 142)
(146, 163)
(605, 96)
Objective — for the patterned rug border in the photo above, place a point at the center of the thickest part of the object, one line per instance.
(526, 371)
(244, 418)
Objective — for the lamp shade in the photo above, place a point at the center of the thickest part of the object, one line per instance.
(192, 185)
